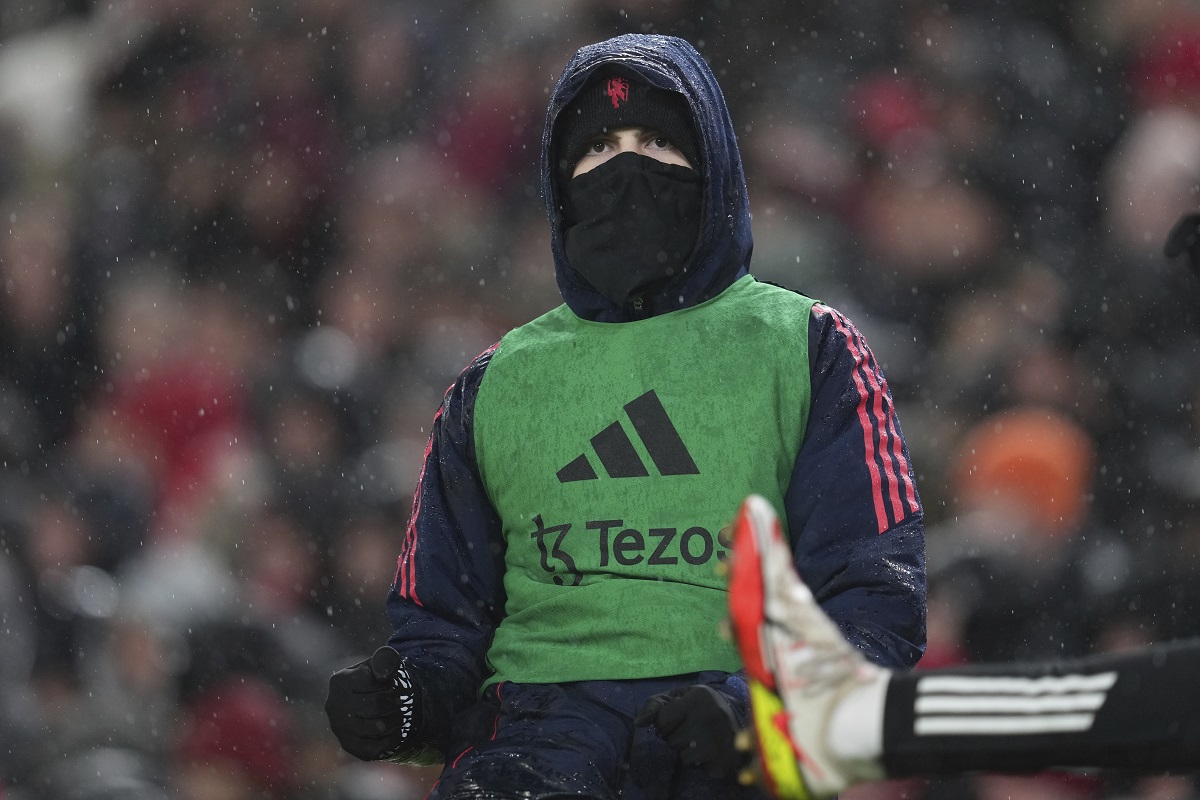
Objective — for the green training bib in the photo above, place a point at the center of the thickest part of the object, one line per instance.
(617, 456)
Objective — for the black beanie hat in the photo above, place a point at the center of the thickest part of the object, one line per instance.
(611, 101)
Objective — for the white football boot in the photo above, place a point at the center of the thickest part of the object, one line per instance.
(798, 664)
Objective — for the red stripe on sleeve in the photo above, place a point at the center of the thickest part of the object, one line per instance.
(902, 465)
(881, 414)
(406, 565)
(864, 417)
(886, 430)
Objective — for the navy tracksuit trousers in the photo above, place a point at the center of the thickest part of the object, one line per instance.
(535, 741)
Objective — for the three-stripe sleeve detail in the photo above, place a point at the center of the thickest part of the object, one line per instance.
(406, 564)
(958, 705)
(893, 490)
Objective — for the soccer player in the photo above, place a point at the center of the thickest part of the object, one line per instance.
(825, 718)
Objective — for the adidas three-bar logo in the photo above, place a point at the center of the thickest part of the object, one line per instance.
(620, 458)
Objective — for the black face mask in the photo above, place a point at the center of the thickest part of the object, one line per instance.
(632, 223)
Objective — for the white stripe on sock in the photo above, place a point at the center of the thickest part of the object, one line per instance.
(1008, 704)
(1002, 726)
(1049, 684)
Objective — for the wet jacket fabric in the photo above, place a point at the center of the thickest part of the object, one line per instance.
(849, 501)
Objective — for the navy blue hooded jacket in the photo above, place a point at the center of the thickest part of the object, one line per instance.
(852, 507)
(722, 254)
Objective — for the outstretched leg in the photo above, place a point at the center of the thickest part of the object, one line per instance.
(800, 668)
(824, 718)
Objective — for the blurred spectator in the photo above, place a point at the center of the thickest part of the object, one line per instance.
(1024, 541)
(19, 715)
(46, 324)
(362, 564)
(100, 772)
(236, 744)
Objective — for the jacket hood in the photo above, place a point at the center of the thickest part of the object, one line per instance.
(722, 253)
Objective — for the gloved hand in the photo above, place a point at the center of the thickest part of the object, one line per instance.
(373, 708)
(700, 723)
(1185, 238)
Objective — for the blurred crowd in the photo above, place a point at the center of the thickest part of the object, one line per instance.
(244, 249)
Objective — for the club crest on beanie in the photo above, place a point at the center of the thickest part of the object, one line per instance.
(610, 101)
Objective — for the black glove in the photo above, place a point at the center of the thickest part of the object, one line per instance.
(1185, 238)
(701, 724)
(373, 709)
